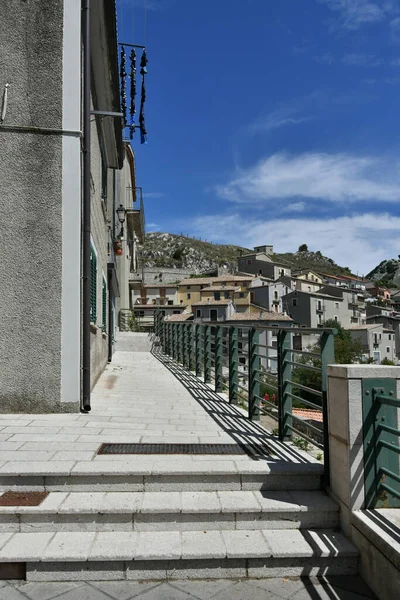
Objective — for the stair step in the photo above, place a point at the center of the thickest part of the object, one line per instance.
(174, 554)
(166, 511)
(151, 475)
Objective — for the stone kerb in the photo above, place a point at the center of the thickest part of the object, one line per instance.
(346, 432)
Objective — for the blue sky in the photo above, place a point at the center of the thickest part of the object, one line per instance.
(273, 122)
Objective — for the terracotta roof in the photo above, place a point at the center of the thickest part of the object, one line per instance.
(210, 280)
(160, 285)
(212, 303)
(359, 327)
(260, 316)
(155, 306)
(308, 414)
(221, 288)
(181, 317)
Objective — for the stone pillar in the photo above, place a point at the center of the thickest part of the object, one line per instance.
(346, 432)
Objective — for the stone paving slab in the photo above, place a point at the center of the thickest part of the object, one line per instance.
(137, 399)
(323, 588)
(166, 545)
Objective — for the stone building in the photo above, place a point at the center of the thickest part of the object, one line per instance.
(42, 175)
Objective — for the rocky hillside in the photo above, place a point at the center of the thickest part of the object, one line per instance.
(388, 271)
(312, 260)
(170, 250)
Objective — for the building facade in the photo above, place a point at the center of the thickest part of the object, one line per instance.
(41, 173)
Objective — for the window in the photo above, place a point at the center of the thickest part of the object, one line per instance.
(188, 287)
(336, 304)
(319, 305)
(139, 313)
(170, 302)
(176, 312)
(188, 296)
(241, 295)
(227, 295)
(213, 315)
(387, 349)
(217, 295)
(104, 304)
(93, 284)
(390, 337)
(249, 261)
(294, 302)
(336, 319)
(309, 288)
(276, 295)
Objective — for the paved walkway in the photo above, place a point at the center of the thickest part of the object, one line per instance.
(137, 399)
(331, 588)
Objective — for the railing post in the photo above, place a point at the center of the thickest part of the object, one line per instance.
(233, 365)
(254, 374)
(180, 345)
(218, 359)
(184, 345)
(198, 338)
(284, 387)
(327, 357)
(189, 350)
(173, 341)
(207, 354)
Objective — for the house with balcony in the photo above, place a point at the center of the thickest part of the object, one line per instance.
(377, 343)
(390, 319)
(268, 295)
(224, 288)
(379, 293)
(262, 263)
(354, 299)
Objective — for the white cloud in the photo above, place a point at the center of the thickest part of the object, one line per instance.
(359, 242)
(361, 60)
(354, 14)
(330, 177)
(295, 207)
(275, 120)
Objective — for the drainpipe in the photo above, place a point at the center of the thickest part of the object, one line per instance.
(86, 209)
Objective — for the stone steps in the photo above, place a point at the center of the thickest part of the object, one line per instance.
(180, 555)
(172, 511)
(155, 474)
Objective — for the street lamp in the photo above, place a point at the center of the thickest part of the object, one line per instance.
(121, 212)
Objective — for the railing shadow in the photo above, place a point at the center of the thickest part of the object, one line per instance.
(258, 443)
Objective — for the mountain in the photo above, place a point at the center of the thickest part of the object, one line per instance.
(388, 271)
(171, 250)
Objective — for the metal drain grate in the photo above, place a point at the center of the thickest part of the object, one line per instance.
(22, 498)
(214, 449)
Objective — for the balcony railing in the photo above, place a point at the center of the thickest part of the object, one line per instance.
(265, 379)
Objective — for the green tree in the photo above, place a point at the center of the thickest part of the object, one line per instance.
(303, 248)
(387, 362)
(347, 351)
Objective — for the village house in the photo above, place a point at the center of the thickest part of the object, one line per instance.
(206, 289)
(262, 263)
(377, 343)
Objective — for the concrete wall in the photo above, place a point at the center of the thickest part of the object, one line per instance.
(32, 272)
(368, 530)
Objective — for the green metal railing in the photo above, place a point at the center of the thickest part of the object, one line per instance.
(260, 368)
(381, 434)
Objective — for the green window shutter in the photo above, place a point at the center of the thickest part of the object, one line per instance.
(93, 285)
(104, 304)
